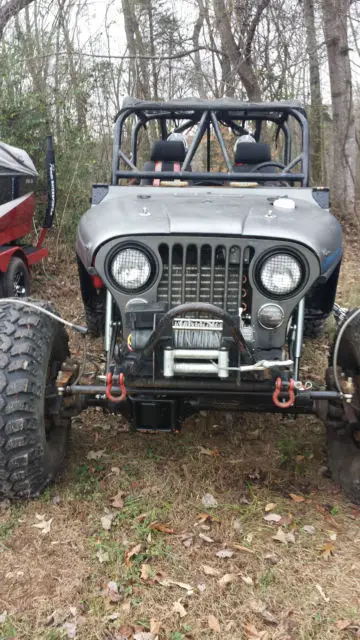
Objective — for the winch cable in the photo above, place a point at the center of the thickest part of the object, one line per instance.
(343, 327)
(46, 312)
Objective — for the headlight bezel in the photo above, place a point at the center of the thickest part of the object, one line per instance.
(138, 246)
(275, 251)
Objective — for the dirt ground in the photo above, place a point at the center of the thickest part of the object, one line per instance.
(230, 529)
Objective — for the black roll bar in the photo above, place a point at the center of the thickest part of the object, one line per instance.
(209, 116)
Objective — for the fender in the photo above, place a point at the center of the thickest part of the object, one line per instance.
(28, 254)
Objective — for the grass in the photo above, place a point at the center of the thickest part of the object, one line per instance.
(50, 580)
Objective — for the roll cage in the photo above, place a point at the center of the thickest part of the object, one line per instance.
(209, 115)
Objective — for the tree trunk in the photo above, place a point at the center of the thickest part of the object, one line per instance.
(199, 78)
(335, 15)
(239, 55)
(10, 10)
(316, 164)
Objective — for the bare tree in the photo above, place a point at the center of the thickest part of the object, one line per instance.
(9, 10)
(315, 93)
(239, 51)
(335, 18)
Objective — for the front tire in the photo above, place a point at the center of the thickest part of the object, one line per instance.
(33, 431)
(343, 421)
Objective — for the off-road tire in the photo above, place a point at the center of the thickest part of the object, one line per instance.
(15, 277)
(33, 439)
(342, 435)
(314, 328)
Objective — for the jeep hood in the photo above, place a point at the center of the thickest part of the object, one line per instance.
(202, 211)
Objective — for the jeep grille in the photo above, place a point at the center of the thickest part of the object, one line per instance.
(203, 273)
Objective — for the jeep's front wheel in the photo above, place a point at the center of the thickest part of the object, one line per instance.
(33, 430)
(343, 420)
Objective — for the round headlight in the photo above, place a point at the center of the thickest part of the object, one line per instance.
(131, 269)
(280, 274)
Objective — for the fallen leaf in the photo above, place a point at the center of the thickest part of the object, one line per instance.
(142, 516)
(205, 538)
(204, 517)
(106, 521)
(112, 591)
(133, 552)
(187, 542)
(209, 501)
(309, 529)
(144, 635)
(226, 579)
(155, 626)
(342, 624)
(239, 547)
(296, 498)
(272, 558)
(179, 608)
(210, 571)
(43, 525)
(158, 526)
(252, 632)
(284, 537)
(117, 501)
(95, 455)
(126, 632)
(249, 581)
(224, 553)
(327, 550)
(320, 590)
(237, 525)
(102, 556)
(145, 572)
(3, 617)
(168, 582)
(70, 629)
(209, 452)
(270, 506)
(114, 616)
(272, 517)
(214, 623)
(126, 607)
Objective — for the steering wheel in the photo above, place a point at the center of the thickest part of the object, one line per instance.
(271, 163)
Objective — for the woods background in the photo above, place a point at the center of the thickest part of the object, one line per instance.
(66, 65)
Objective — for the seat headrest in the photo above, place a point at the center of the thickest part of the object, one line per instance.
(250, 153)
(168, 151)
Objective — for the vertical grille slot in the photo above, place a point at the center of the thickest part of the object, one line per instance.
(201, 273)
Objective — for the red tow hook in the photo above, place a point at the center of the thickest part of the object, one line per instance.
(109, 384)
(288, 403)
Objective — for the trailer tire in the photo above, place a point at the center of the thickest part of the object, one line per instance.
(15, 282)
(343, 421)
(33, 432)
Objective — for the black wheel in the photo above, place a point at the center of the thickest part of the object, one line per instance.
(16, 281)
(33, 429)
(314, 328)
(343, 420)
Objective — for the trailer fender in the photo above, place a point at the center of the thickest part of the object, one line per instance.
(6, 253)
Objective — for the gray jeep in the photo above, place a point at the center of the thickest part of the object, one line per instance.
(204, 283)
